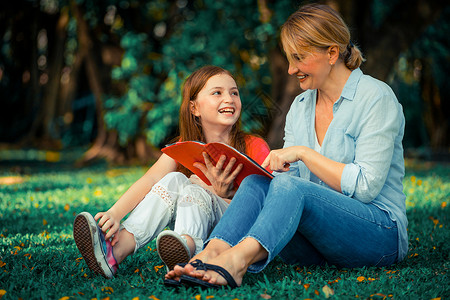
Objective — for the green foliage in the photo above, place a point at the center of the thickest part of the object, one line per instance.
(39, 259)
(155, 64)
(428, 58)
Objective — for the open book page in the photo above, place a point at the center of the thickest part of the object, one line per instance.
(189, 152)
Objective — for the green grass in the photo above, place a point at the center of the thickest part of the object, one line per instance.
(38, 258)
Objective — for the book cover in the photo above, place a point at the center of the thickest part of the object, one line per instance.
(189, 152)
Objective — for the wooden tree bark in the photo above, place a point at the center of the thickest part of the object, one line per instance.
(106, 144)
(382, 46)
(284, 89)
(44, 123)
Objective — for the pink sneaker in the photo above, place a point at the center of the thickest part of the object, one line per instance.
(96, 251)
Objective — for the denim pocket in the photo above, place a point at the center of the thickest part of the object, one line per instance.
(387, 260)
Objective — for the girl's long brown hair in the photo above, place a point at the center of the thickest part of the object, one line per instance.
(190, 126)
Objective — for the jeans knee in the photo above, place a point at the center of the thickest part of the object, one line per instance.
(285, 180)
(255, 185)
(253, 180)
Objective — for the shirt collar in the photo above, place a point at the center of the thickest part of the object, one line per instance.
(352, 83)
(348, 92)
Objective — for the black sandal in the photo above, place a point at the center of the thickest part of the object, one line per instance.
(198, 264)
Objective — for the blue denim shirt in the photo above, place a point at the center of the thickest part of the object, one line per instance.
(365, 134)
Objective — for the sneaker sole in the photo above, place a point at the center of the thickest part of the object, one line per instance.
(172, 251)
(83, 233)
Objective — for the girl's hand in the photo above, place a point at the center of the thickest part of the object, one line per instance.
(221, 178)
(109, 225)
(279, 160)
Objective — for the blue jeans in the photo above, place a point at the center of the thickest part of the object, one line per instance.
(307, 224)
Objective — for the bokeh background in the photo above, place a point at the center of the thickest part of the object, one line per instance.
(105, 76)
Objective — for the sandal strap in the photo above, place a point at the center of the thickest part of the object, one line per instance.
(199, 265)
(224, 273)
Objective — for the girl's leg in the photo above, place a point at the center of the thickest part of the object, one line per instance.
(151, 215)
(234, 224)
(198, 211)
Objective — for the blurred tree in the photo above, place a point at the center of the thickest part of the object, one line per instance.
(73, 72)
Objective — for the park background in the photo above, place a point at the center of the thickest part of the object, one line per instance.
(90, 91)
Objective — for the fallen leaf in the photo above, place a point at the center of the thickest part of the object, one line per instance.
(361, 278)
(327, 291)
(379, 295)
(158, 267)
(265, 296)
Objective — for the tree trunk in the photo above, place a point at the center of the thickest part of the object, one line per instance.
(284, 89)
(382, 46)
(106, 143)
(435, 112)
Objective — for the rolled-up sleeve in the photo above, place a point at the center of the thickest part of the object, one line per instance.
(378, 125)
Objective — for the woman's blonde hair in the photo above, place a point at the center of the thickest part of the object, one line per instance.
(190, 127)
(318, 26)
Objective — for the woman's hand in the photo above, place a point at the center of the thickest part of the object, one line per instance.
(221, 178)
(109, 225)
(279, 160)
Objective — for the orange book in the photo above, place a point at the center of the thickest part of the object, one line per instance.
(189, 152)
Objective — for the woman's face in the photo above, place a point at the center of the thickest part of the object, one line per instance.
(310, 68)
(218, 103)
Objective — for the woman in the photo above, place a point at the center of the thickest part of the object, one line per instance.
(210, 112)
(338, 197)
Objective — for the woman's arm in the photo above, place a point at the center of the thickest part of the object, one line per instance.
(110, 220)
(329, 171)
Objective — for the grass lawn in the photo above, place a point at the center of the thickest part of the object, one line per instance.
(41, 193)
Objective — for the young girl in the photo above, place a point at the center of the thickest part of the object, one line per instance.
(210, 112)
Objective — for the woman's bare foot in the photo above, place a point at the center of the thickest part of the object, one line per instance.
(232, 261)
(235, 260)
(214, 248)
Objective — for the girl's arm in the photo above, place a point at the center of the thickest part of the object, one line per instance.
(109, 221)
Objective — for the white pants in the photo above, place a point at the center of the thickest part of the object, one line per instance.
(174, 200)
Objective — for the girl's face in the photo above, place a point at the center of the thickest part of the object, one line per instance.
(218, 103)
(311, 69)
